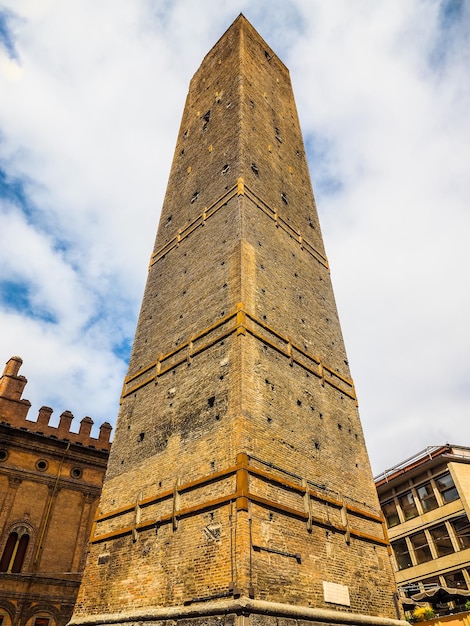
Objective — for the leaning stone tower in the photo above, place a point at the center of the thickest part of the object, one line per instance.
(239, 487)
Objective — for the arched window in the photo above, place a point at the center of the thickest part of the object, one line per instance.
(15, 550)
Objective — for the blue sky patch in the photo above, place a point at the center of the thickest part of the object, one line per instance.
(123, 350)
(452, 31)
(6, 37)
(16, 296)
(12, 190)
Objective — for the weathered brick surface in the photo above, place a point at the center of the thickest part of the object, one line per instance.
(50, 482)
(239, 417)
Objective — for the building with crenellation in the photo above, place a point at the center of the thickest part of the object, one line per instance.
(50, 483)
(426, 504)
(239, 489)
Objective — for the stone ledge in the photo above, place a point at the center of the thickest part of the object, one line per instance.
(242, 605)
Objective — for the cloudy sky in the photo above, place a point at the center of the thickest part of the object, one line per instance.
(91, 96)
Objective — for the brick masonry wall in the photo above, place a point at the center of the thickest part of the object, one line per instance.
(238, 349)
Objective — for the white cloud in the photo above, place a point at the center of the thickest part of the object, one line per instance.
(90, 108)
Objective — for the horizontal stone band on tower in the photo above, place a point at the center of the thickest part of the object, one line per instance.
(240, 189)
(315, 505)
(240, 322)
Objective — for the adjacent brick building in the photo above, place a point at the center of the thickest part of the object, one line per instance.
(50, 483)
(426, 504)
(239, 488)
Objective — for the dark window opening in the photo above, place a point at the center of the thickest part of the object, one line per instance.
(206, 119)
(445, 485)
(391, 514)
(402, 554)
(421, 547)
(42, 465)
(14, 552)
(455, 580)
(426, 497)
(408, 505)
(441, 539)
(225, 169)
(211, 401)
(76, 472)
(277, 135)
(461, 527)
(254, 169)
(195, 196)
(284, 197)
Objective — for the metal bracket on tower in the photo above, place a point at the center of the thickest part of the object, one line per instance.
(176, 504)
(345, 522)
(307, 505)
(158, 367)
(136, 520)
(189, 356)
(321, 372)
(289, 353)
(240, 187)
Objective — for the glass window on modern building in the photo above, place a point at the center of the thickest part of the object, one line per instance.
(421, 547)
(455, 580)
(408, 505)
(402, 554)
(391, 513)
(441, 539)
(461, 527)
(429, 583)
(447, 489)
(427, 497)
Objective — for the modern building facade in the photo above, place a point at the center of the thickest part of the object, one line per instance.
(50, 483)
(239, 489)
(426, 504)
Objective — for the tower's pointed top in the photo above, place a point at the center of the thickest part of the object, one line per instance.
(237, 28)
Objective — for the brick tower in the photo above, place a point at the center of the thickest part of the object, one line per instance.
(238, 486)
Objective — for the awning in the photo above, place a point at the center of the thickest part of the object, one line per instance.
(438, 595)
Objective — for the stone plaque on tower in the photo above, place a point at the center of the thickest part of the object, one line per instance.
(239, 486)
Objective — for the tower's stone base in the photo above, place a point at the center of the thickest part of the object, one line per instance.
(237, 612)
